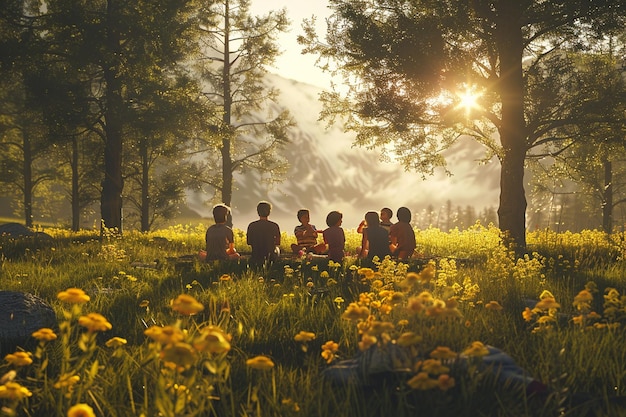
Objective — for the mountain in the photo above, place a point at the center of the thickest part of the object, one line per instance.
(328, 173)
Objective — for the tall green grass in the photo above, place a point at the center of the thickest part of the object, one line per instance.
(132, 281)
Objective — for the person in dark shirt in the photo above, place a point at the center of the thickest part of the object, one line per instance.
(375, 242)
(263, 236)
(220, 241)
(334, 236)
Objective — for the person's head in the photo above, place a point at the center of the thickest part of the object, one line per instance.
(334, 218)
(371, 218)
(404, 215)
(220, 211)
(302, 213)
(263, 209)
(386, 214)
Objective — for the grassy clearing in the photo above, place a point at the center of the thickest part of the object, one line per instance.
(265, 343)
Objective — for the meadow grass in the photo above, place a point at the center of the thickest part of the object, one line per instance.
(164, 334)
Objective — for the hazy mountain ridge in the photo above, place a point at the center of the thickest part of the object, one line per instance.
(327, 173)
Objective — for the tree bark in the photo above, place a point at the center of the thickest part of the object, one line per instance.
(607, 197)
(145, 191)
(227, 159)
(28, 179)
(75, 199)
(112, 185)
(512, 209)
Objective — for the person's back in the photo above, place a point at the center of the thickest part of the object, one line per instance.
(219, 237)
(377, 237)
(378, 242)
(402, 235)
(263, 236)
(334, 236)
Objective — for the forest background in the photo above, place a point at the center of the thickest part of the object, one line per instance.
(55, 120)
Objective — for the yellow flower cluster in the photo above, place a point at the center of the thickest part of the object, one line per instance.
(94, 322)
(261, 363)
(329, 350)
(186, 305)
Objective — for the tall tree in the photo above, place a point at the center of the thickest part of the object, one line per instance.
(24, 168)
(239, 47)
(595, 164)
(419, 74)
(112, 44)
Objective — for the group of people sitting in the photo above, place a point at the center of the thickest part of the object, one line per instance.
(380, 237)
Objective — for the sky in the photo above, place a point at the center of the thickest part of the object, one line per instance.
(291, 64)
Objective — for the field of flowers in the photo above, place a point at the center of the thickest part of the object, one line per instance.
(464, 329)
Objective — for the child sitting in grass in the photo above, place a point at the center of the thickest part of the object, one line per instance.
(306, 235)
(334, 236)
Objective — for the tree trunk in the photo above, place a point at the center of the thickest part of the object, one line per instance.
(112, 186)
(512, 209)
(607, 197)
(227, 159)
(145, 192)
(28, 179)
(75, 198)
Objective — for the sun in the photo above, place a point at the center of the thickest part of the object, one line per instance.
(468, 99)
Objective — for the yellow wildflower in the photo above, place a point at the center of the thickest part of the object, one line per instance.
(434, 367)
(212, 339)
(14, 391)
(304, 336)
(403, 322)
(328, 350)
(547, 303)
(355, 312)
(165, 334)
(73, 296)
(44, 334)
(288, 402)
(412, 278)
(385, 308)
(415, 304)
(66, 381)
(144, 303)
(225, 277)
(186, 305)
(422, 381)
(428, 273)
(262, 363)
(408, 339)
(379, 327)
(494, 306)
(396, 297)
(180, 354)
(366, 342)
(19, 358)
(80, 410)
(366, 272)
(546, 319)
(578, 320)
(443, 352)
(94, 322)
(115, 342)
(476, 349)
(527, 314)
(445, 382)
